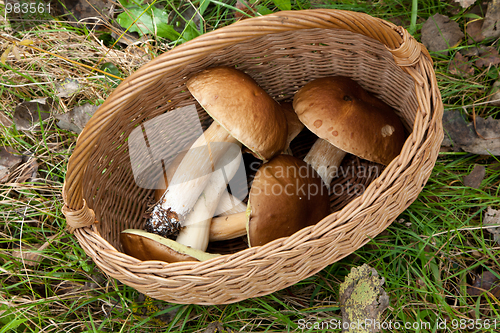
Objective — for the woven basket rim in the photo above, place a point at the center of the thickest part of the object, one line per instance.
(408, 54)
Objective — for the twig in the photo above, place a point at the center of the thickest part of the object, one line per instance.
(475, 104)
(23, 85)
(463, 229)
(38, 83)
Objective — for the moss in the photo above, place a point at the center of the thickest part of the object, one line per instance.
(363, 299)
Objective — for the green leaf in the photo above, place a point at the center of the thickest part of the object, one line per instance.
(472, 16)
(283, 4)
(153, 21)
(12, 325)
(190, 32)
(203, 6)
(263, 10)
(163, 29)
(109, 67)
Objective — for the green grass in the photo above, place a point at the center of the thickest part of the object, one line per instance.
(428, 256)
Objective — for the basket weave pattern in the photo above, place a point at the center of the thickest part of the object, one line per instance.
(281, 52)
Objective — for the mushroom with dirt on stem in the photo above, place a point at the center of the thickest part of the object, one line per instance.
(347, 119)
(228, 204)
(192, 240)
(243, 112)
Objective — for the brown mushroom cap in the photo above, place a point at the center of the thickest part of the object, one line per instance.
(148, 246)
(243, 108)
(340, 111)
(286, 196)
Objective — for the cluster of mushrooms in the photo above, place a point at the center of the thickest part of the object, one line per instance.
(196, 208)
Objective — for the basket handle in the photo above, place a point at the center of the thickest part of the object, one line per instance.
(406, 50)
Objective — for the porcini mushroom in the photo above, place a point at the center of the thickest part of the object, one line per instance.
(197, 237)
(193, 238)
(243, 112)
(286, 196)
(144, 245)
(349, 120)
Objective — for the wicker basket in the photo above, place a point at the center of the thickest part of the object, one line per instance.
(282, 52)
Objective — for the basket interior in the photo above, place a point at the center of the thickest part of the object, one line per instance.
(281, 64)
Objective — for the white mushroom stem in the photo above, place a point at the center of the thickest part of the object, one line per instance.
(228, 227)
(195, 232)
(325, 158)
(229, 204)
(189, 180)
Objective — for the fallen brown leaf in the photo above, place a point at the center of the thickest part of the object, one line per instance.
(460, 134)
(476, 176)
(474, 24)
(492, 217)
(76, 119)
(439, 33)
(488, 57)
(491, 20)
(486, 282)
(31, 256)
(27, 114)
(460, 66)
(9, 160)
(474, 31)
